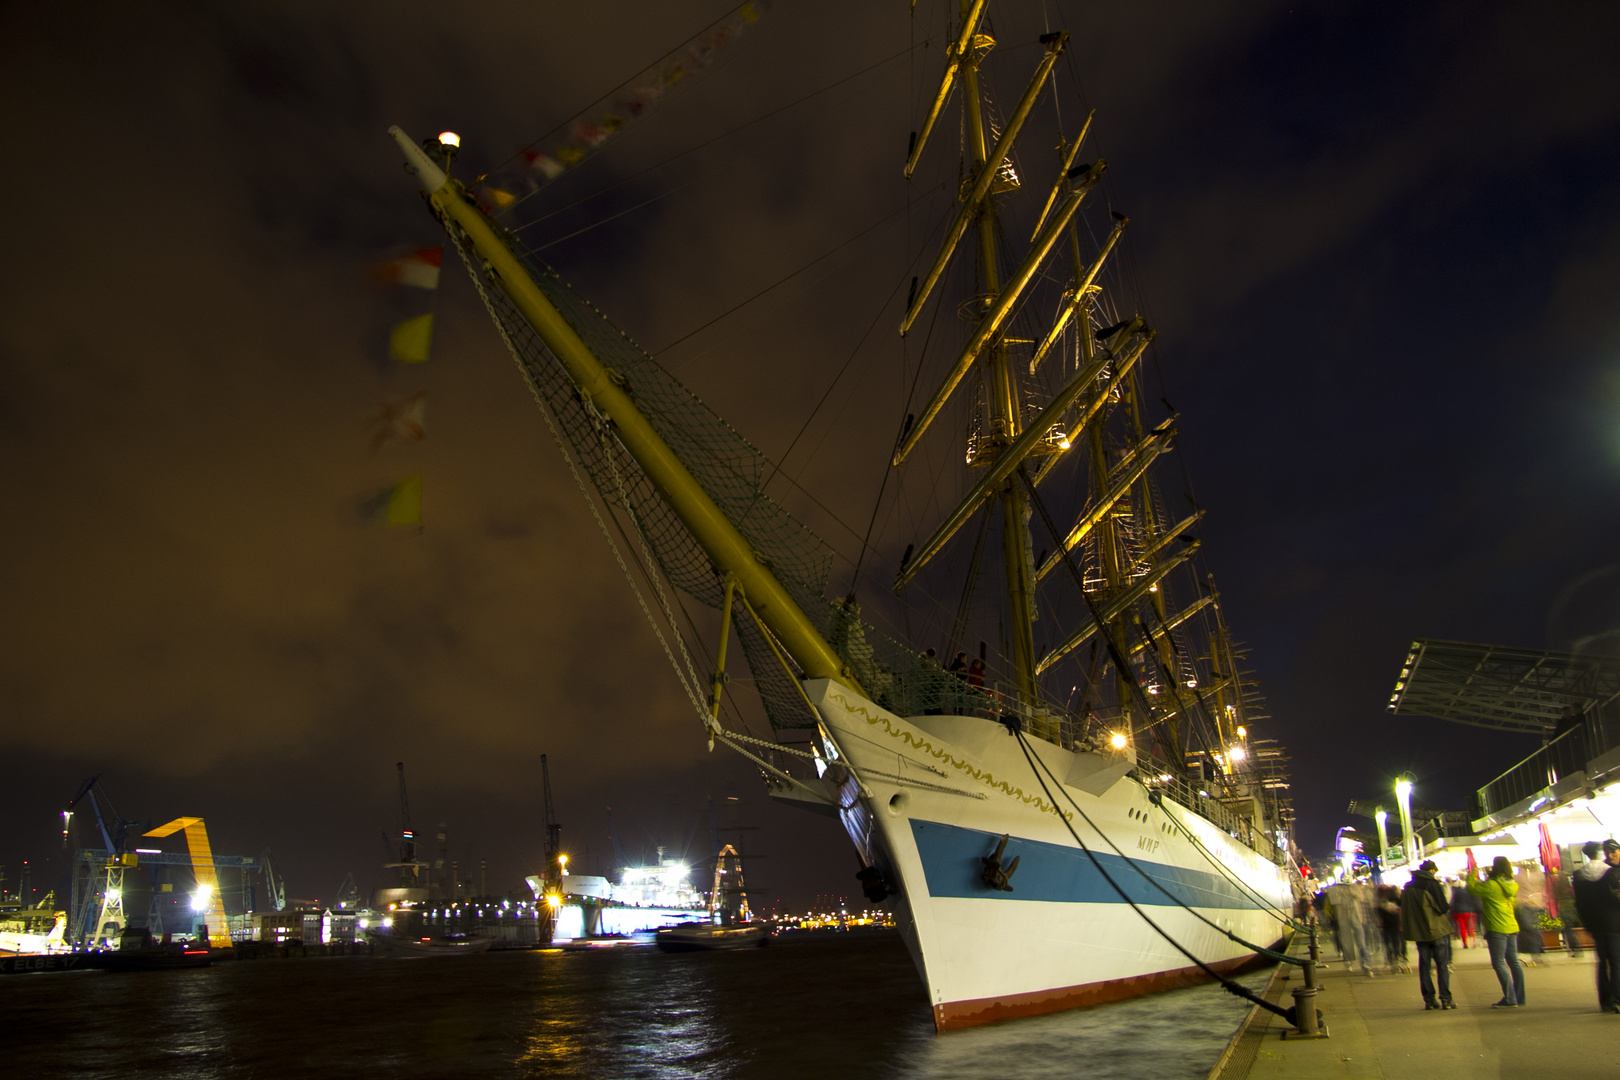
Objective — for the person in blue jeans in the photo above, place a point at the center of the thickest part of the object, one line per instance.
(1425, 921)
(1496, 892)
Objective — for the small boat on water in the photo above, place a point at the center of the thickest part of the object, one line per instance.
(729, 925)
(709, 937)
(173, 957)
(28, 963)
(389, 945)
(138, 952)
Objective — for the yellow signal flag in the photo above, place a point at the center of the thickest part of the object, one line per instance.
(404, 505)
(410, 341)
(399, 505)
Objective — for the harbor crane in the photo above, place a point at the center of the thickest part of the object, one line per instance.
(556, 861)
(619, 861)
(275, 886)
(410, 870)
(97, 901)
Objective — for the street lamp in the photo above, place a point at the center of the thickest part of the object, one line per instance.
(1381, 817)
(1403, 799)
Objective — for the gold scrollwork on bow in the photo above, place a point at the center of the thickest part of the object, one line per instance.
(917, 742)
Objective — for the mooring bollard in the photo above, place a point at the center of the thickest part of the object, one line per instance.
(1307, 1024)
(1305, 1020)
(1315, 958)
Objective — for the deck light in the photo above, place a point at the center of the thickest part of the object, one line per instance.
(1118, 740)
(1235, 754)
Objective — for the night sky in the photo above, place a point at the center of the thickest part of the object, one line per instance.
(1381, 244)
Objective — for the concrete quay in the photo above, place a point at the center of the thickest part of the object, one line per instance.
(1379, 1028)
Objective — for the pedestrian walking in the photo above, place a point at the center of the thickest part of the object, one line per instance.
(1496, 891)
(1465, 911)
(1352, 911)
(1597, 902)
(1389, 925)
(1425, 920)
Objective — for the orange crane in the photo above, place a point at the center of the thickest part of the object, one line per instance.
(207, 901)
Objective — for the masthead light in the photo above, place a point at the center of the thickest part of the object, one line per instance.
(449, 138)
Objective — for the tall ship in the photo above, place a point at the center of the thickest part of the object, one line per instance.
(1067, 804)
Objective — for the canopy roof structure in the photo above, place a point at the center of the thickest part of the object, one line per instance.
(1498, 687)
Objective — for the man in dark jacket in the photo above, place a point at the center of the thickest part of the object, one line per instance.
(1597, 901)
(1424, 920)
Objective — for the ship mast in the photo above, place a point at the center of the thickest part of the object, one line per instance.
(1127, 564)
(1005, 418)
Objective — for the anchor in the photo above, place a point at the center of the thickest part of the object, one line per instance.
(873, 884)
(995, 875)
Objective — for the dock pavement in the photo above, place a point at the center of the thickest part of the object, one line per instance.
(1378, 1027)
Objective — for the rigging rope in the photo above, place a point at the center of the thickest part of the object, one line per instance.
(784, 280)
(781, 461)
(1051, 526)
(562, 447)
(651, 568)
(694, 149)
(1264, 905)
(613, 217)
(1229, 985)
(1171, 682)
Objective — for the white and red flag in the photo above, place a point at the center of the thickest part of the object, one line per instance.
(419, 269)
(405, 420)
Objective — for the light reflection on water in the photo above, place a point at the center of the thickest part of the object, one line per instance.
(813, 1006)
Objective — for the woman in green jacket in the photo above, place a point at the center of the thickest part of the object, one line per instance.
(1496, 893)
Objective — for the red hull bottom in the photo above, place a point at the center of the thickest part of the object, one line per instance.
(955, 1015)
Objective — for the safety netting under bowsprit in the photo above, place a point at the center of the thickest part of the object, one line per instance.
(732, 471)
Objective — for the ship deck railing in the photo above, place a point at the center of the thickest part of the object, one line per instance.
(939, 692)
(1178, 789)
(934, 691)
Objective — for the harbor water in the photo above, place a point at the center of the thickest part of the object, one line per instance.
(815, 1005)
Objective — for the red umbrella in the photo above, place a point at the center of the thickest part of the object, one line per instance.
(1550, 864)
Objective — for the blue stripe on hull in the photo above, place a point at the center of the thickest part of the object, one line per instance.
(952, 859)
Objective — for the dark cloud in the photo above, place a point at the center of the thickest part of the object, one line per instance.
(1380, 251)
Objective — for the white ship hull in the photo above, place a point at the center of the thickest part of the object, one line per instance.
(931, 796)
